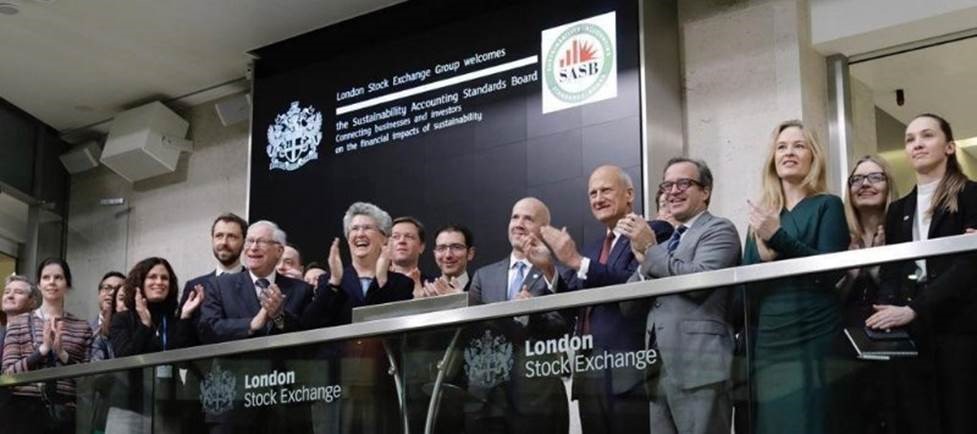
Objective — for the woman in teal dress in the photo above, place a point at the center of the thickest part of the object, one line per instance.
(796, 318)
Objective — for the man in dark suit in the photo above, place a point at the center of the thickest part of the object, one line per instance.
(257, 302)
(227, 241)
(691, 331)
(517, 401)
(612, 400)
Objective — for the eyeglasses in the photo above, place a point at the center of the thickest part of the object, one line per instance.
(872, 178)
(261, 243)
(682, 185)
(106, 287)
(364, 228)
(455, 248)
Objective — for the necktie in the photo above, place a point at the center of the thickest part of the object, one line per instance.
(261, 284)
(676, 237)
(605, 250)
(515, 285)
(584, 313)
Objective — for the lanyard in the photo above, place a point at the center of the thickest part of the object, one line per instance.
(164, 335)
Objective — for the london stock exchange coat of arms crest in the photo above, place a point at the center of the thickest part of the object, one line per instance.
(293, 139)
(217, 391)
(488, 360)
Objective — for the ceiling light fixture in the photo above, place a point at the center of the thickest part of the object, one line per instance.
(9, 8)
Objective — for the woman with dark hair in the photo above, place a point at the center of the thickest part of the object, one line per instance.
(934, 297)
(46, 337)
(152, 321)
(797, 318)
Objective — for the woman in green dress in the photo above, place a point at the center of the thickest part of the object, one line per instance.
(796, 318)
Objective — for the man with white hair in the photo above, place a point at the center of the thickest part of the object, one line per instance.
(257, 302)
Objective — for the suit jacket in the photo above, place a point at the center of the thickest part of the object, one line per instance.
(692, 330)
(332, 307)
(536, 396)
(948, 300)
(230, 305)
(209, 281)
(611, 329)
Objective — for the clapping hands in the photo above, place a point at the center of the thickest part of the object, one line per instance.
(193, 302)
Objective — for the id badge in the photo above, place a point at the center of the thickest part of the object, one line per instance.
(164, 371)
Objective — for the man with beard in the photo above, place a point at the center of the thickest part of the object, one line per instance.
(227, 241)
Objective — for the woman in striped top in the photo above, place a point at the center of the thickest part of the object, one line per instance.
(46, 337)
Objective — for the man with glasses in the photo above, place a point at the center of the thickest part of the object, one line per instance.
(257, 302)
(611, 400)
(453, 250)
(690, 330)
(111, 282)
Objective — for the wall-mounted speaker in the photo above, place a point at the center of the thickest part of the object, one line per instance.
(82, 157)
(145, 142)
(234, 109)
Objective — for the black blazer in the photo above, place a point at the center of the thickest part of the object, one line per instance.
(230, 305)
(130, 337)
(332, 307)
(948, 300)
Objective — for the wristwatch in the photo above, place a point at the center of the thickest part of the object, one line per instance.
(279, 321)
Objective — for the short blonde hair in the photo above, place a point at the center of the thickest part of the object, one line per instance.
(814, 183)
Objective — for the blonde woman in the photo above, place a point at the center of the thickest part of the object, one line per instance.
(796, 318)
(869, 191)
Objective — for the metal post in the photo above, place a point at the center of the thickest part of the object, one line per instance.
(839, 122)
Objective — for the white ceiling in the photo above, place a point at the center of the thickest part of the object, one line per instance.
(940, 79)
(72, 63)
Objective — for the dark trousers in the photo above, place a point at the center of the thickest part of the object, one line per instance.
(29, 415)
(602, 412)
(956, 381)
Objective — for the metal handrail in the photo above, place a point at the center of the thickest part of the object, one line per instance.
(649, 288)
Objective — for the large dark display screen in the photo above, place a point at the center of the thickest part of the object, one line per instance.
(449, 114)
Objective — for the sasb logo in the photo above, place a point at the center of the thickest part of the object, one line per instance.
(488, 360)
(293, 139)
(217, 391)
(580, 65)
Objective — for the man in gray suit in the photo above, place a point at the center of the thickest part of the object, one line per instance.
(690, 330)
(520, 402)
